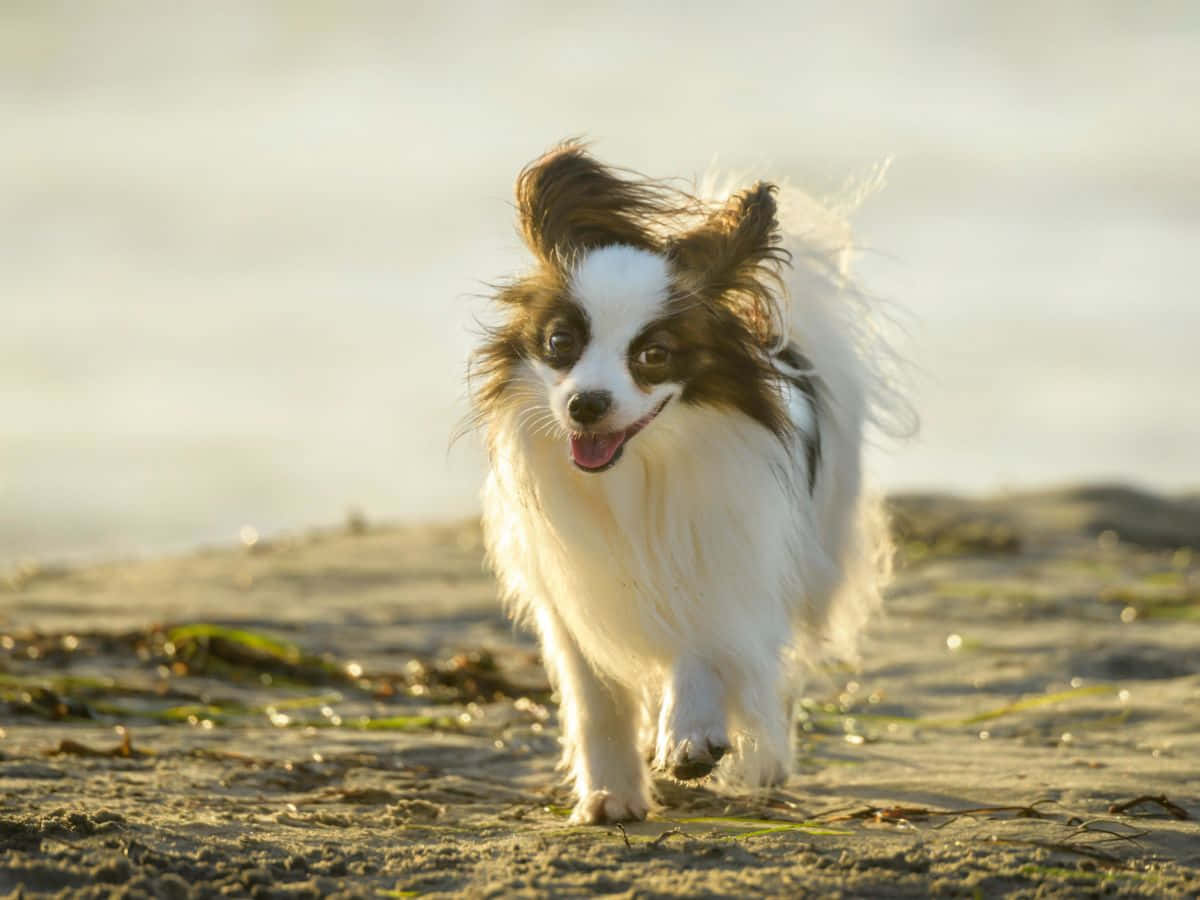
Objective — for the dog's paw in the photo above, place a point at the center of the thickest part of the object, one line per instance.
(603, 808)
(693, 757)
(692, 727)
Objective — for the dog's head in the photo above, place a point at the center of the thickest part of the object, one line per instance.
(641, 298)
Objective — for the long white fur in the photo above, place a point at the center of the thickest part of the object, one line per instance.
(678, 595)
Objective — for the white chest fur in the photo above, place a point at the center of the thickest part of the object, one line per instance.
(702, 537)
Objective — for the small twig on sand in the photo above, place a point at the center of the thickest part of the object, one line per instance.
(658, 841)
(124, 750)
(1092, 827)
(890, 813)
(1173, 809)
(654, 844)
(781, 800)
(904, 813)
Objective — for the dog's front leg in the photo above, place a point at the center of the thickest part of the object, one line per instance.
(599, 719)
(692, 730)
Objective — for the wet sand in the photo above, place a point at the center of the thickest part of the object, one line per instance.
(348, 713)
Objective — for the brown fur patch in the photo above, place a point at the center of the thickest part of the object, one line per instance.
(734, 257)
(537, 302)
(567, 203)
(717, 357)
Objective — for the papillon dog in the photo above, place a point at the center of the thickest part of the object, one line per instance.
(674, 403)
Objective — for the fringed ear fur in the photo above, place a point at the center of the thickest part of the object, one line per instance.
(568, 202)
(735, 254)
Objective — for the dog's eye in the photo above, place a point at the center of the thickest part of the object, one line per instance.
(654, 357)
(562, 343)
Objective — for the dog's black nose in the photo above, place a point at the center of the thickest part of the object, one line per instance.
(588, 407)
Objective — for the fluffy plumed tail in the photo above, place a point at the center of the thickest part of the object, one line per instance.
(844, 334)
(848, 337)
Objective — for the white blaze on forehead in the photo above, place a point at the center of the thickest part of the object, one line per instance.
(621, 288)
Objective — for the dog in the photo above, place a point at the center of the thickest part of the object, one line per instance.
(674, 403)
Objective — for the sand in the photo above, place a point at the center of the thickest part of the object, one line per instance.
(348, 713)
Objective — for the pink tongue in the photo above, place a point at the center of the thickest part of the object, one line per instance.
(595, 450)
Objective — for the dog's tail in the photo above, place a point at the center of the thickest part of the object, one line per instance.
(848, 338)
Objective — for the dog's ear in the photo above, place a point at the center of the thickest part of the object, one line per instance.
(734, 257)
(736, 244)
(568, 202)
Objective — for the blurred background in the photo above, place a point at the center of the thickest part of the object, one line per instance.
(241, 243)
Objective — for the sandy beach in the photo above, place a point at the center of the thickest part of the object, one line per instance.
(348, 713)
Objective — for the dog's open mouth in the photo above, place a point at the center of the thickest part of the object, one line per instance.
(598, 452)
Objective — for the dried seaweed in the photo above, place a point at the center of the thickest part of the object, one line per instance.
(1173, 809)
(123, 750)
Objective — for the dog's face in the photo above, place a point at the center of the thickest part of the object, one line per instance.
(622, 319)
(608, 353)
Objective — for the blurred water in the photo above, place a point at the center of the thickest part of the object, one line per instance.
(239, 243)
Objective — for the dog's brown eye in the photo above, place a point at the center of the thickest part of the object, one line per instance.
(562, 343)
(654, 357)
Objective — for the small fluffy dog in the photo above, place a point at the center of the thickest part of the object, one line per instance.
(674, 407)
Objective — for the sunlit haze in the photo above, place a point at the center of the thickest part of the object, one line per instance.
(242, 247)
